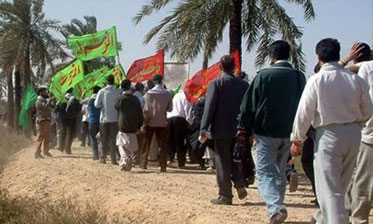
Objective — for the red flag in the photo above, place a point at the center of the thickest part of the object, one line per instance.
(145, 68)
(237, 63)
(196, 86)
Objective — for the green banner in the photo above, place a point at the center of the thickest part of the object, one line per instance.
(91, 46)
(85, 87)
(71, 75)
(56, 89)
(93, 77)
(118, 74)
(176, 90)
(28, 101)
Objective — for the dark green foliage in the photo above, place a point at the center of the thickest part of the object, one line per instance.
(198, 25)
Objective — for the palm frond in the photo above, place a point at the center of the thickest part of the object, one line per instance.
(148, 9)
(309, 12)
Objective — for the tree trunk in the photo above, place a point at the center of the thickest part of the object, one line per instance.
(27, 68)
(10, 103)
(235, 27)
(18, 95)
(205, 62)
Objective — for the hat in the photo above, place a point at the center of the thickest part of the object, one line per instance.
(42, 88)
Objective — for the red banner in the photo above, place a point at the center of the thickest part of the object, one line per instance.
(196, 86)
(145, 68)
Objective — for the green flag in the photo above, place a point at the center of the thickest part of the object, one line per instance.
(28, 101)
(118, 74)
(78, 90)
(93, 77)
(85, 87)
(56, 89)
(175, 91)
(90, 46)
(71, 75)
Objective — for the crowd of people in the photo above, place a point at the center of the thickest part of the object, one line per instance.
(326, 120)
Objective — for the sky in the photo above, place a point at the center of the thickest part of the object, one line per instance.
(348, 21)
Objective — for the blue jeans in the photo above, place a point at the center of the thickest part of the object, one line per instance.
(93, 129)
(272, 155)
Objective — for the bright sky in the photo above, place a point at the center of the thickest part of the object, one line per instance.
(348, 21)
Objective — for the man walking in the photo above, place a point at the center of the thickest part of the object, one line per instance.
(223, 99)
(43, 122)
(94, 122)
(268, 109)
(158, 101)
(105, 100)
(179, 121)
(362, 185)
(336, 102)
(68, 112)
(130, 122)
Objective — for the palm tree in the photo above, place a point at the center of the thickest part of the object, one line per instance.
(194, 25)
(27, 41)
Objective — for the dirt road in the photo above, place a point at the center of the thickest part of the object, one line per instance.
(178, 196)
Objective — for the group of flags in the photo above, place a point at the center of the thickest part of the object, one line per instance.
(105, 44)
(97, 45)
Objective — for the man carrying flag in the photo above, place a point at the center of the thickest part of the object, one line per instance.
(43, 121)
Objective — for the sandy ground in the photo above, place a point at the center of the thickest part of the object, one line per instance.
(178, 196)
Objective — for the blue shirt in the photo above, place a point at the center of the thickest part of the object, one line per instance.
(93, 112)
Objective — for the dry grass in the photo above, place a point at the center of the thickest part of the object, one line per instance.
(10, 143)
(29, 211)
(22, 210)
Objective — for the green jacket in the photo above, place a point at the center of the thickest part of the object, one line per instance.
(269, 105)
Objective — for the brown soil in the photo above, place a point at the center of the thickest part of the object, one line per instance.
(178, 196)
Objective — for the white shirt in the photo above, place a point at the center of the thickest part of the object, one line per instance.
(105, 100)
(332, 96)
(140, 97)
(366, 73)
(85, 112)
(181, 107)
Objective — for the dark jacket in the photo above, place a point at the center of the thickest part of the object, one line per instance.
(223, 100)
(68, 111)
(270, 104)
(197, 112)
(130, 113)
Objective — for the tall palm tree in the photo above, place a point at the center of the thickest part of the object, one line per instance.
(26, 37)
(26, 32)
(194, 24)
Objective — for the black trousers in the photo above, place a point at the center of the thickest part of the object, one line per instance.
(226, 170)
(67, 134)
(178, 131)
(307, 161)
(197, 147)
